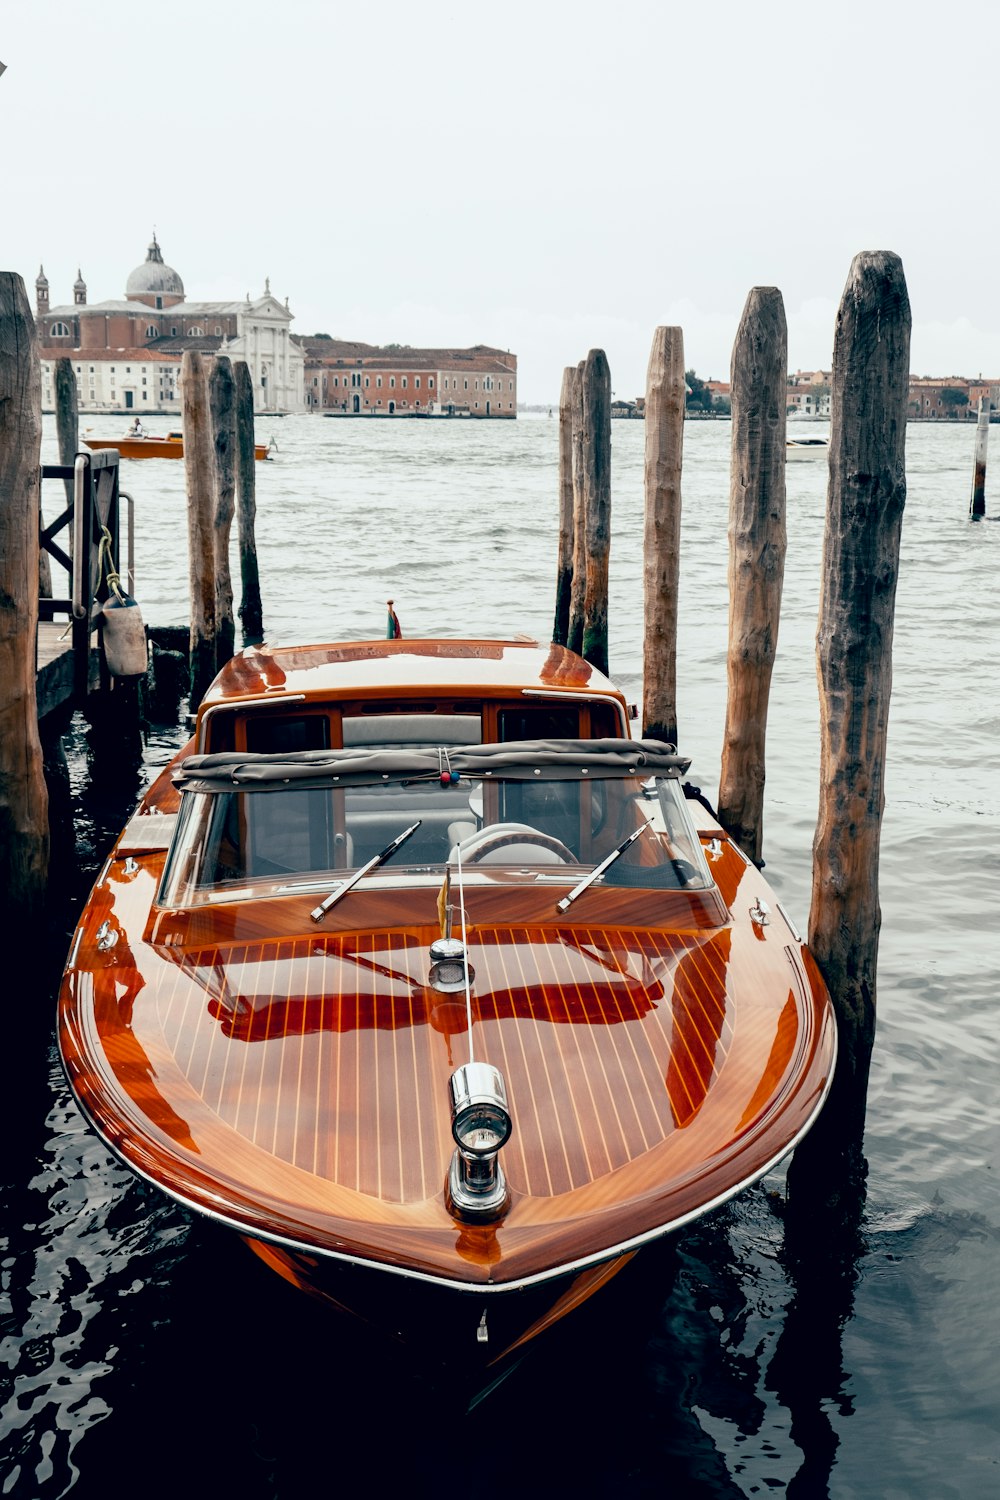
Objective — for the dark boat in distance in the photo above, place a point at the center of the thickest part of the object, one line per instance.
(420, 973)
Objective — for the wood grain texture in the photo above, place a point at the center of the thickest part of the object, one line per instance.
(757, 541)
(298, 1083)
(564, 561)
(596, 395)
(222, 413)
(24, 835)
(198, 476)
(866, 496)
(251, 612)
(578, 590)
(664, 435)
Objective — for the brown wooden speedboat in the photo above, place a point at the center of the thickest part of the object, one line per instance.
(148, 445)
(422, 975)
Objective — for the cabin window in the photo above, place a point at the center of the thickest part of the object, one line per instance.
(273, 735)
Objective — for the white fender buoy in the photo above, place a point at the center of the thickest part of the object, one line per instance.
(123, 637)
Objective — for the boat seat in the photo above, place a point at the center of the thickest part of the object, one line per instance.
(412, 731)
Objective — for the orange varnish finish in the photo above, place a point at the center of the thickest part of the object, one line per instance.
(293, 1078)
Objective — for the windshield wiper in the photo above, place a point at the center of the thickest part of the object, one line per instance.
(319, 912)
(588, 880)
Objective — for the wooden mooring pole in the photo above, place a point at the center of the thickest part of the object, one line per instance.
(198, 474)
(977, 505)
(597, 504)
(757, 540)
(24, 831)
(578, 588)
(865, 500)
(251, 613)
(564, 563)
(67, 434)
(222, 405)
(664, 435)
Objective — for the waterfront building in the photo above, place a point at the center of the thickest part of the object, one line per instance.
(126, 352)
(353, 379)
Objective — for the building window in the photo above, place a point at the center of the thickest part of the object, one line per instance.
(416, 382)
(159, 303)
(367, 382)
(195, 333)
(59, 330)
(430, 383)
(378, 382)
(404, 382)
(173, 332)
(91, 369)
(218, 328)
(151, 331)
(392, 382)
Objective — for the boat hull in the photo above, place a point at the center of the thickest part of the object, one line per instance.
(152, 447)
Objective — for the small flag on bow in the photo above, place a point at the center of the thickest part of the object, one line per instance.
(444, 905)
(393, 631)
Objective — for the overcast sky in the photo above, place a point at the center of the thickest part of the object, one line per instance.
(540, 175)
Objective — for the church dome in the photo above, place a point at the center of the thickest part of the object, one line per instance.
(153, 276)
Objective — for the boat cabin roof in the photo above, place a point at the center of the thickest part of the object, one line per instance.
(412, 676)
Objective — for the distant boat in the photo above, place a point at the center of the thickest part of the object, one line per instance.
(142, 445)
(806, 447)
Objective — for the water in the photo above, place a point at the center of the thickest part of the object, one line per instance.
(146, 1351)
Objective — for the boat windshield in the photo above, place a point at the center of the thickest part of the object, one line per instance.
(243, 831)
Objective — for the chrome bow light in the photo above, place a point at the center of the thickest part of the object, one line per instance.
(448, 965)
(481, 1124)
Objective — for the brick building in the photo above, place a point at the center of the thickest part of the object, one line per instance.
(351, 379)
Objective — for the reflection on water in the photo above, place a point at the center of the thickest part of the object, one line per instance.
(146, 1353)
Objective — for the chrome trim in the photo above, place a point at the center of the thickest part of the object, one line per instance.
(760, 913)
(789, 923)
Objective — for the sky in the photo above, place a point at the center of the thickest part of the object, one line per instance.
(545, 176)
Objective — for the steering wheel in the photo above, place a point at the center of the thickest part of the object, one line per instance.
(489, 841)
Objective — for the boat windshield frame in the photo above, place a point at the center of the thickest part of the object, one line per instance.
(555, 809)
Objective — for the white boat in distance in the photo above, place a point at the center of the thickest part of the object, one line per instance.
(806, 447)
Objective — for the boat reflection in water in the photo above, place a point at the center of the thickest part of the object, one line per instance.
(422, 975)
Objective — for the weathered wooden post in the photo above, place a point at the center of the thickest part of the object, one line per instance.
(597, 504)
(578, 589)
(759, 381)
(198, 474)
(564, 564)
(67, 436)
(251, 614)
(977, 505)
(222, 403)
(24, 832)
(665, 395)
(865, 499)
